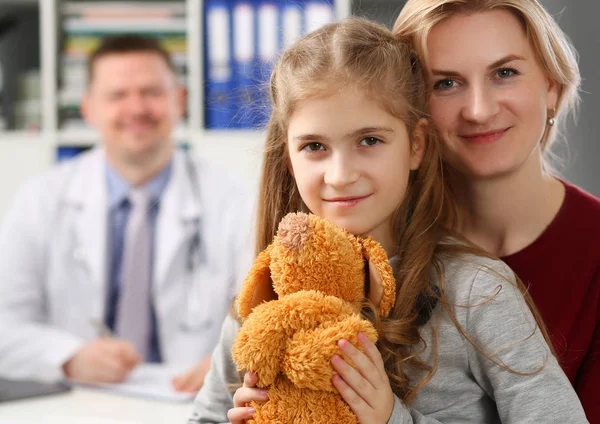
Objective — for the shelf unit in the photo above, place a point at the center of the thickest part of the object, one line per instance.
(26, 153)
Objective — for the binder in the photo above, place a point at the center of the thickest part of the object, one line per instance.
(243, 62)
(317, 14)
(218, 64)
(267, 17)
(243, 40)
(291, 22)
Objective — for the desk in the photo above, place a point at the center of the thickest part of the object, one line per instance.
(89, 406)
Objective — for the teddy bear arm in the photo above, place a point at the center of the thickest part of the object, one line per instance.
(308, 358)
(311, 310)
(260, 343)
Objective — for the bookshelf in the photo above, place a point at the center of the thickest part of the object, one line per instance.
(36, 129)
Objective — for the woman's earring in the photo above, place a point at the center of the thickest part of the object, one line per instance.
(551, 121)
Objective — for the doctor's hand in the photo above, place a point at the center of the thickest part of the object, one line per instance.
(192, 380)
(367, 388)
(103, 360)
(244, 395)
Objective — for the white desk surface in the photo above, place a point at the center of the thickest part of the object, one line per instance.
(90, 406)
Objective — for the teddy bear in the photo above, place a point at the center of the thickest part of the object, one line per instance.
(303, 294)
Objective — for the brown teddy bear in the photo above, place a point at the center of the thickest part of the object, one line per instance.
(303, 294)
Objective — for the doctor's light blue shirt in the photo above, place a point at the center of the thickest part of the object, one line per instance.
(119, 208)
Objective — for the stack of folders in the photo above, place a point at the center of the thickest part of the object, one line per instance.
(86, 23)
(242, 39)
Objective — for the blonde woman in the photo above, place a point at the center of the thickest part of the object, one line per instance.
(502, 77)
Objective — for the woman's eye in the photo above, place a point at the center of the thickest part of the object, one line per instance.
(445, 84)
(313, 147)
(506, 72)
(369, 141)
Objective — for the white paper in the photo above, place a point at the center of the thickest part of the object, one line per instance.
(149, 381)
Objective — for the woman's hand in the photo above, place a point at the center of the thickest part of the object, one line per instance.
(245, 394)
(367, 388)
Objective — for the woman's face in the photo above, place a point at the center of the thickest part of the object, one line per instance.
(489, 95)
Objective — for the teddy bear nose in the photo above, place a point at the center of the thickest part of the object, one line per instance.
(293, 230)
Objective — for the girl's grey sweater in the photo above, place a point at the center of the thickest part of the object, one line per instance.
(468, 387)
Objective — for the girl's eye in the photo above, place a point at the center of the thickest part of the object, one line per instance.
(506, 73)
(313, 147)
(445, 84)
(369, 141)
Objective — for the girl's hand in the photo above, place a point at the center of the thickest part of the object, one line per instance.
(367, 388)
(245, 394)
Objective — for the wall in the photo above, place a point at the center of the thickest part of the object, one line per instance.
(579, 19)
(384, 11)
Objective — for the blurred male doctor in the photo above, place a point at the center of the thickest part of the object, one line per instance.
(134, 236)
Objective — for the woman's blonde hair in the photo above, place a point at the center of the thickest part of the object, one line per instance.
(364, 55)
(551, 45)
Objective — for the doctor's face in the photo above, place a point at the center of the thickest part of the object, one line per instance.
(135, 102)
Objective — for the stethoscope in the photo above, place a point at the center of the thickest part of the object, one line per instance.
(196, 254)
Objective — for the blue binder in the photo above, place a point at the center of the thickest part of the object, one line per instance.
(291, 22)
(218, 64)
(268, 48)
(243, 39)
(244, 48)
(318, 13)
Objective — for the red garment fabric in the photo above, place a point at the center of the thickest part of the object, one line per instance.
(562, 271)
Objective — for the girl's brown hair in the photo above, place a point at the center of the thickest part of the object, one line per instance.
(551, 45)
(362, 54)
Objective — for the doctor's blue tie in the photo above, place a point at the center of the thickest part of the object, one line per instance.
(133, 308)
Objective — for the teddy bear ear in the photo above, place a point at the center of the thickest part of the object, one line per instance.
(257, 287)
(382, 289)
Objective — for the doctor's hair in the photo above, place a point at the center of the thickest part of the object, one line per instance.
(364, 55)
(551, 45)
(127, 43)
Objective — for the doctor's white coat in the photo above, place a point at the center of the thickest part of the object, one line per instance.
(54, 263)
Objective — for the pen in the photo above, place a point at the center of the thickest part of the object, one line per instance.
(102, 329)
